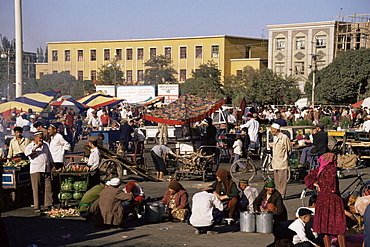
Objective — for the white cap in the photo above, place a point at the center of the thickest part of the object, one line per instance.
(107, 183)
(32, 116)
(115, 181)
(275, 126)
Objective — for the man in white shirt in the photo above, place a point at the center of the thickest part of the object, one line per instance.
(40, 170)
(248, 196)
(94, 122)
(253, 127)
(300, 239)
(89, 113)
(94, 158)
(203, 204)
(366, 125)
(58, 146)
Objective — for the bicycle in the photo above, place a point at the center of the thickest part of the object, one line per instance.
(364, 188)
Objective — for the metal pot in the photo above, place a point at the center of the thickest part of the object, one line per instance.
(264, 222)
(247, 221)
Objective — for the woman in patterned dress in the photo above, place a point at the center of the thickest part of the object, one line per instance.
(329, 213)
(176, 199)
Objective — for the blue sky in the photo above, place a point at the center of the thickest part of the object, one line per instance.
(82, 20)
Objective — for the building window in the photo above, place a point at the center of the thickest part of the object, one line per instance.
(93, 55)
(182, 52)
(129, 76)
(153, 53)
(300, 43)
(140, 54)
(41, 74)
(118, 54)
(67, 55)
(54, 55)
(239, 73)
(80, 75)
(80, 55)
(106, 54)
(279, 68)
(299, 68)
(129, 54)
(198, 51)
(215, 51)
(55, 71)
(182, 74)
(321, 41)
(280, 44)
(247, 52)
(140, 75)
(68, 72)
(167, 52)
(320, 65)
(93, 75)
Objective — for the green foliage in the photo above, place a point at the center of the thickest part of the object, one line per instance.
(345, 80)
(302, 122)
(262, 87)
(344, 123)
(327, 121)
(159, 71)
(110, 74)
(206, 82)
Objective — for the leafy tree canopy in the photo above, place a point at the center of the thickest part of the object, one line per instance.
(346, 80)
(159, 71)
(206, 82)
(110, 74)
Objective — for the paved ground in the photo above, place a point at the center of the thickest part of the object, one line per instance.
(25, 229)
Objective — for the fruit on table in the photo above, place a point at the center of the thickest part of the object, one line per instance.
(65, 196)
(73, 168)
(77, 195)
(80, 185)
(66, 186)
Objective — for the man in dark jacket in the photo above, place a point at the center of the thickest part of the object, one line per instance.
(125, 131)
(319, 147)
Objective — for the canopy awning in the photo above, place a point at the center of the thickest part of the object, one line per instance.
(99, 99)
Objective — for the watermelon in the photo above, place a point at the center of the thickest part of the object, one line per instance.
(66, 186)
(65, 196)
(77, 195)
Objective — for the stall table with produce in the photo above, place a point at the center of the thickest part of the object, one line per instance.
(16, 183)
(74, 182)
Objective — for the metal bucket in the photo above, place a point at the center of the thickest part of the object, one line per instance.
(161, 209)
(247, 221)
(264, 222)
(152, 213)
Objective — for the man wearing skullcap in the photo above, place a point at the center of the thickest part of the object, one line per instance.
(280, 152)
(58, 146)
(18, 145)
(253, 128)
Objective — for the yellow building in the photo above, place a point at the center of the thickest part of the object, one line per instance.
(83, 59)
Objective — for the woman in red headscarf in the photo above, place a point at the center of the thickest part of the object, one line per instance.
(329, 212)
(226, 191)
(176, 199)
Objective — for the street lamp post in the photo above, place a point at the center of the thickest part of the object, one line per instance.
(4, 55)
(314, 58)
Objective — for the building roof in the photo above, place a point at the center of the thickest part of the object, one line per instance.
(155, 39)
(302, 25)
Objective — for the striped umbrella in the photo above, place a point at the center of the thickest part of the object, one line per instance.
(99, 99)
(35, 101)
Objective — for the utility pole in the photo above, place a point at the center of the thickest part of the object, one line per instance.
(314, 58)
(18, 49)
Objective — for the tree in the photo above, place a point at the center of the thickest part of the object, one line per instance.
(159, 71)
(262, 87)
(346, 80)
(110, 74)
(206, 82)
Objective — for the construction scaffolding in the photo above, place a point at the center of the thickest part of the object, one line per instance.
(352, 32)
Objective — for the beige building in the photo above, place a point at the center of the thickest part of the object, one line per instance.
(298, 48)
(83, 59)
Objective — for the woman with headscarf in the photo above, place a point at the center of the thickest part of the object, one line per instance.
(226, 191)
(329, 212)
(270, 200)
(176, 199)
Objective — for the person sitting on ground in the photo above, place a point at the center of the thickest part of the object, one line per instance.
(137, 205)
(110, 203)
(227, 192)
(89, 202)
(300, 239)
(283, 237)
(270, 200)
(176, 199)
(249, 194)
(202, 217)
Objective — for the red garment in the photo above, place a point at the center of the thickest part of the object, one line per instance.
(69, 120)
(104, 119)
(329, 211)
(181, 199)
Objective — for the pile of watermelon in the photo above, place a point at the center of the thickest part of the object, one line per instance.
(65, 196)
(80, 185)
(67, 184)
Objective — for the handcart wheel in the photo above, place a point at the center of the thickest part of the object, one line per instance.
(205, 176)
(177, 176)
